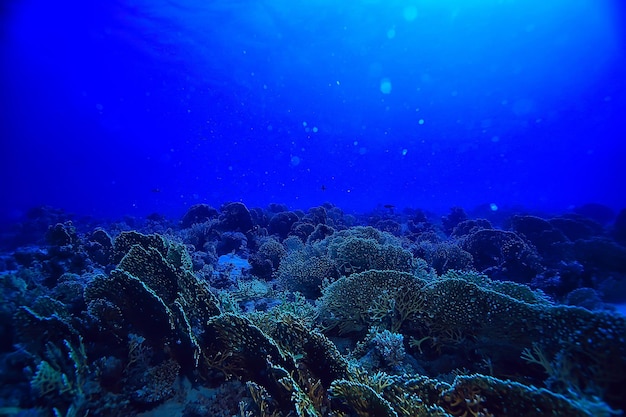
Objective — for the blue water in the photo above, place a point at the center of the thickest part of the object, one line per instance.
(133, 107)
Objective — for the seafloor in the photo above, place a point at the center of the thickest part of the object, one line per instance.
(270, 312)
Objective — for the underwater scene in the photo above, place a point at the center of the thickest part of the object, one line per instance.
(323, 208)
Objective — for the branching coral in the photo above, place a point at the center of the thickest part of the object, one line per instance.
(475, 394)
(61, 377)
(361, 400)
(237, 347)
(359, 301)
(355, 254)
(305, 271)
(175, 326)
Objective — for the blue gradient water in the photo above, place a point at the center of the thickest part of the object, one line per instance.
(132, 107)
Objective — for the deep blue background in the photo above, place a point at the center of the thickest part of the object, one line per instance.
(137, 106)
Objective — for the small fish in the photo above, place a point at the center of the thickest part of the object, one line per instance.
(389, 206)
(156, 190)
(323, 187)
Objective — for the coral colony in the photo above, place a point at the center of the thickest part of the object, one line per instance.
(270, 312)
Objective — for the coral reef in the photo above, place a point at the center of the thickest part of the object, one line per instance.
(314, 313)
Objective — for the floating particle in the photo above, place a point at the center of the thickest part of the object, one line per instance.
(385, 86)
(409, 13)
